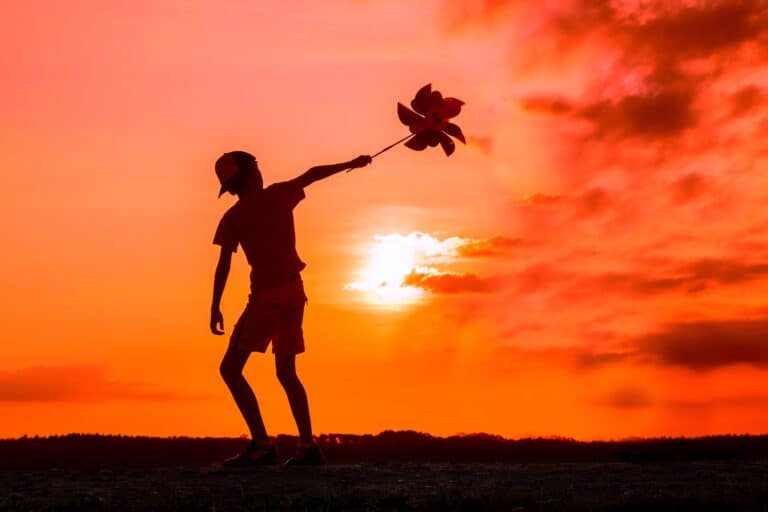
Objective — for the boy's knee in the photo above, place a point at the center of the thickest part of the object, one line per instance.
(228, 371)
(287, 376)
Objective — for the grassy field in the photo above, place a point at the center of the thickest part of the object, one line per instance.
(705, 485)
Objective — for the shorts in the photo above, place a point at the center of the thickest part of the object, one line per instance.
(272, 314)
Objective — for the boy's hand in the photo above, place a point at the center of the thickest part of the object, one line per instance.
(360, 161)
(217, 322)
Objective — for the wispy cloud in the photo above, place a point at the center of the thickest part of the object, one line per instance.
(703, 346)
(699, 346)
(75, 382)
(447, 282)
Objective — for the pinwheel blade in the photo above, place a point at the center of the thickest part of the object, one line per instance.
(454, 131)
(418, 141)
(422, 100)
(407, 116)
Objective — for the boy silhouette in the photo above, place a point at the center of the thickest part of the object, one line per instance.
(261, 222)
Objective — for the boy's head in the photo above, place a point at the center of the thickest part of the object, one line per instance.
(235, 171)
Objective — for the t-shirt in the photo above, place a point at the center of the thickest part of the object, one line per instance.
(263, 225)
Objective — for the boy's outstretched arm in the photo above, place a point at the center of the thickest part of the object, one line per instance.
(219, 281)
(323, 171)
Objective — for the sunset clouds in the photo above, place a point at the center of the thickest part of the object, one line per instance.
(649, 214)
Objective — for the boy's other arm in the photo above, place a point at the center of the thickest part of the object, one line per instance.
(323, 171)
(219, 281)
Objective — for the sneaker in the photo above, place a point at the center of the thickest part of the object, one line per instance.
(306, 456)
(253, 455)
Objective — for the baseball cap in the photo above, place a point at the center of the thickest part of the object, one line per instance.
(226, 168)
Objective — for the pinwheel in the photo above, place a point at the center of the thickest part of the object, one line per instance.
(429, 122)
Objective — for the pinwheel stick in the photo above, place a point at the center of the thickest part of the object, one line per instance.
(393, 144)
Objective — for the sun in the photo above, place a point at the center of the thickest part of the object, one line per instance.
(390, 260)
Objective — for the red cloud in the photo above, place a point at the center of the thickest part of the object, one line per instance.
(495, 246)
(689, 277)
(648, 115)
(688, 188)
(724, 271)
(592, 202)
(587, 360)
(552, 105)
(445, 282)
(73, 382)
(635, 398)
(704, 346)
(698, 346)
(668, 57)
(760, 401)
(746, 99)
(701, 29)
(665, 29)
(627, 398)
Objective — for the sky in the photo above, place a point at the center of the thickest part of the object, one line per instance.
(593, 263)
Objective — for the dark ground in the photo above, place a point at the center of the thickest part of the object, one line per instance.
(396, 486)
(722, 473)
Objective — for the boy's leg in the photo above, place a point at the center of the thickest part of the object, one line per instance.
(232, 372)
(285, 365)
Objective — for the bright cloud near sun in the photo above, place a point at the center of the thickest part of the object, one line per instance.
(393, 257)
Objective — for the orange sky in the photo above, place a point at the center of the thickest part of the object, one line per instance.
(592, 264)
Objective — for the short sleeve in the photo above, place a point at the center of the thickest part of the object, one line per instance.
(225, 234)
(290, 193)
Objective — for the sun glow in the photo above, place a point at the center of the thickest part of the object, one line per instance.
(392, 258)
